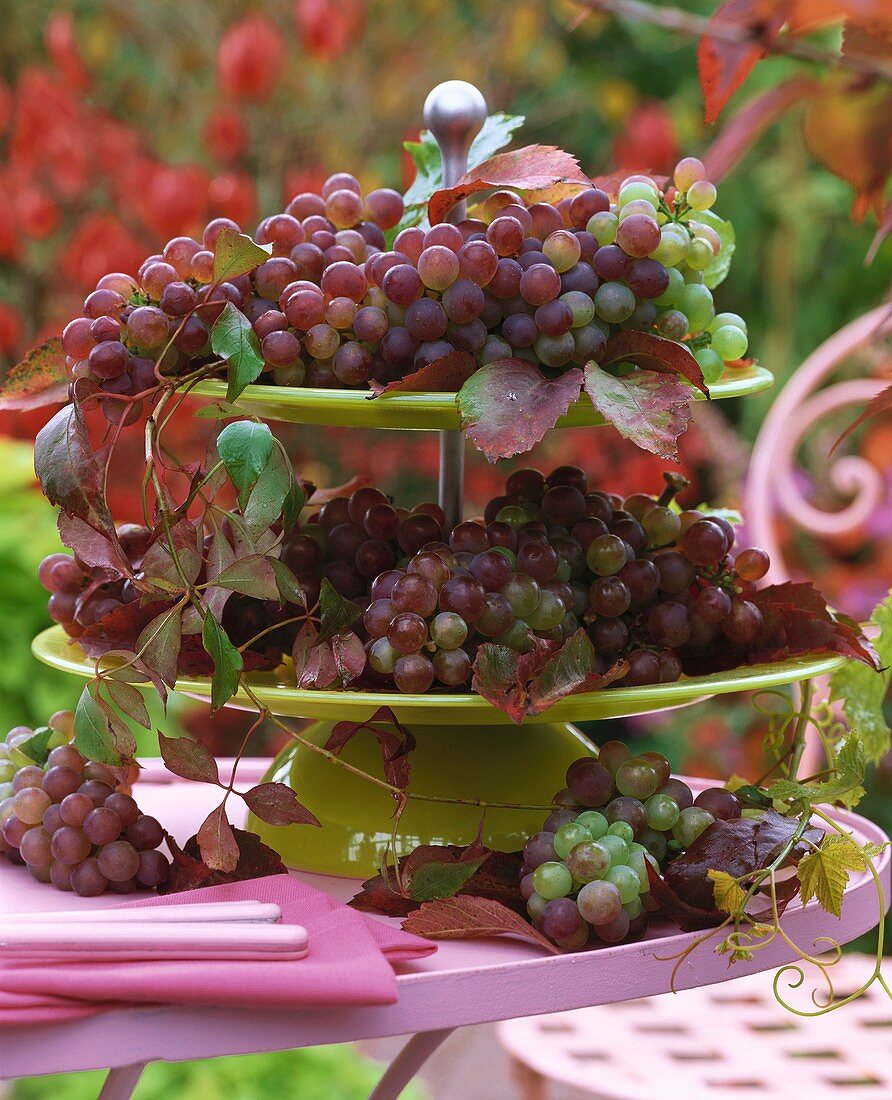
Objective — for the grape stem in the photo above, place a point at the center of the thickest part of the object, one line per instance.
(696, 26)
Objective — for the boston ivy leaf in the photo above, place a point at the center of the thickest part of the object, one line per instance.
(444, 877)
(188, 872)
(159, 645)
(94, 548)
(651, 410)
(571, 670)
(67, 468)
(349, 656)
(337, 613)
(158, 563)
(244, 447)
(37, 746)
(98, 734)
(444, 375)
(233, 338)
(227, 660)
(824, 873)
(220, 556)
(217, 843)
(395, 741)
(236, 254)
(289, 587)
(464, 917)
(252, 576)
(862, 690)
(323, 496)
(653, 353)
(189, 759)
(535, 168)
(508, 406)
(129, 700)
(270, 495)
(277, 804)
(315, 667)
(41, 378)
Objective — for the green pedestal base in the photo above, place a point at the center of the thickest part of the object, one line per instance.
(516, 764)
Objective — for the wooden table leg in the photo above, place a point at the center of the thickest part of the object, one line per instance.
(407, 1063)
(121, 1082)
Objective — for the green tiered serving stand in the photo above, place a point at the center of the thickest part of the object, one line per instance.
(467, 749)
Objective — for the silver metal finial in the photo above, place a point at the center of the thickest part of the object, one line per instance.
(454, 112)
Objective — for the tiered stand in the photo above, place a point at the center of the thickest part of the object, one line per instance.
(467, 750)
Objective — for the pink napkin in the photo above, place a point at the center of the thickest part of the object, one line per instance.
(349, 963)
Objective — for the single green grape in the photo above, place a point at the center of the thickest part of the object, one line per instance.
(552, 880)
(625, 879)
(695, 302)
(701, 195)
(622, 829)
(536, 906)
(508, 553)
(568, 836)
(7, 771)
(700, 254)
(662, 812)
(661, 525)
(581, 306)
(691, 823)
(711, 363)
(588, 861)
(617, 847)
(633, 908)
(614, 302)
(548, 613)
(638, 190)
(595, 822)
(676, 282)
(729, 342)
(603, 226)
(638, 861)
(513, 515)
(727, 319)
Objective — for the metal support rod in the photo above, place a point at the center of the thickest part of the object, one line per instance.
(454, 113)
(121, 1081)
(407, 1063)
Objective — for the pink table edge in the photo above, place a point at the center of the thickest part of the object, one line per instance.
(465, 982)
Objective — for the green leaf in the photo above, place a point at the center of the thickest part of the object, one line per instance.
(824, 873)
(270, 495)
(218, 410)
(227, 660)
(843, 786)
(337, 614)
(444, 878)
(720, 264)
(236, 254)
(159, 644)
(252, 576)
(495, 134)
(94, 733)
(729, 894)
(862, 690)
(289, 587)
(130, 701)
(245, 447)
(37, 747)
(233, 338)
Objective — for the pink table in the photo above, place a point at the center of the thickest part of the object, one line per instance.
(462, 983)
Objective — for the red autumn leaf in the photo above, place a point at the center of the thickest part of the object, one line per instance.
(689, 918)
(188, 872)
(654, 353)
(750, 123)
(319, 669)
(41, 378)
(217, 843)
(188, 759)
(651, 410)
(797, 622)
(507, 406)
(464, 917)
(68, 471)
(444, 375)
(725, 65)
(536, 168)
(277, 804)
(569, 672)
(877, 406)
(349, 656)
(323, 496)
(805, 15)
(395, 742)
(95, 548)
(737, 847)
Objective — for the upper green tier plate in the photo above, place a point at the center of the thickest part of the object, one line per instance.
(54, 648)
(356, 409)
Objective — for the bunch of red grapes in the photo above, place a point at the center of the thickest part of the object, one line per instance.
(584, 875)
(647, 581)
(70, 822)
(335, 307)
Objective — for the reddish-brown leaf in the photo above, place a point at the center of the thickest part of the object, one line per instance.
(94, 548)
(444, 375)
(41, 378)
(216, 840)
(319, 669)
(255, 860)
(537, 168)
(465, 917)
(752, 120)
(646, 407)
(189, 759)
(569, 672)
(502, 676)
(797, 621)
(68, 471)
(805, 15)
(323, 496)
(725, 65)
(508, 406)
(654, 353)
(277, 804)
(877, 406)
(349, 656)
(689, 918)
(394, 740)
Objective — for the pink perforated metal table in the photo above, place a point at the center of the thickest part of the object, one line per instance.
(463, 983)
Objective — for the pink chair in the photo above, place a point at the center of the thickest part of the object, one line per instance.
(734, 1040)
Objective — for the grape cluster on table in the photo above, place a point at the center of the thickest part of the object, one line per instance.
(646, 580)
(584, 875)
(335, 307)
(70, 822)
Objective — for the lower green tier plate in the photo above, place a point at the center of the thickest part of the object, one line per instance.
(430, 411)
(54, 648)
